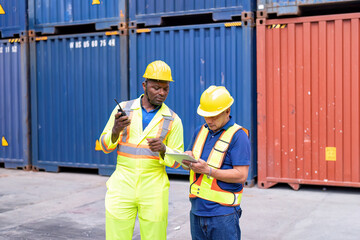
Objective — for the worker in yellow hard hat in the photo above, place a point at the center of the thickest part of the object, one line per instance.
(140, 185)
(216, 181)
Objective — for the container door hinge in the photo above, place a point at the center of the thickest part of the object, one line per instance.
(260, 21)
(24, 39)
(27, 168)
(261, 14)
(31, 34)
(123, 25)
(248, 19)
(124, 32)
(132, 24)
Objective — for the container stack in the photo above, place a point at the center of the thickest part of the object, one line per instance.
(204, 46)
(63, 62)
(308, 93)
(14, 85)
(78, 54)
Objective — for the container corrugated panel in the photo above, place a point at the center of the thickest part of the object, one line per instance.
(308, 101)
(74, 80)
(150, 12)
(13, 18)
(200, 56)
(45, 15)
(14, 104)
(292, 7)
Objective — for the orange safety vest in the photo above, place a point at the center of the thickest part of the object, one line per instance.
(205, 186)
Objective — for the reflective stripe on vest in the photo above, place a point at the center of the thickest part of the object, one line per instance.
(166, 125)
(105, 147)
(139, 151)
(142, 151)
(127, 110)
(206, 187)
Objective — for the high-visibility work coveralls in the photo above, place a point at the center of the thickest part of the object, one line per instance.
(140, 185)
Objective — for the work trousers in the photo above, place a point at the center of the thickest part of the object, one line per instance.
(132, 192)
(224, 227)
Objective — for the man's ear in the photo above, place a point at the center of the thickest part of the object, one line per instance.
(144, 85)
(228, 111)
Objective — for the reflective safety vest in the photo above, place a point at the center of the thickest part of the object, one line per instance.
(132, 142)
(205, 186)
(142, 150)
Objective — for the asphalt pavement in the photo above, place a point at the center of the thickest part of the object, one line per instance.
(70, 205)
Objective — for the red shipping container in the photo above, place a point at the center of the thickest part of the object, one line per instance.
(308, 72)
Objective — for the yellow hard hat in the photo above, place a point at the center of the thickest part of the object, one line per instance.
(214, 101)
(158, 70)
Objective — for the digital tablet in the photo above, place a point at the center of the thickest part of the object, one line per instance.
(179, 157)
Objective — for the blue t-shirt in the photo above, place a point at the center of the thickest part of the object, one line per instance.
(238, 154)
(148, 116)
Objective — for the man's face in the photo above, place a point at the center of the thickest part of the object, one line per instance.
(217, 122)
(156, 91)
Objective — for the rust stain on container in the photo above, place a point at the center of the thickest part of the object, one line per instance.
(308, 101)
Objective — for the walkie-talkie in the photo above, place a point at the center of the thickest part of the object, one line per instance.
(120, 109)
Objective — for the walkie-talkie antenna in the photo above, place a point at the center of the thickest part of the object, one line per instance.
(120, 109)
(117, 103)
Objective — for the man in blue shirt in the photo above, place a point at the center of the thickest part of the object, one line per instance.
(216, 181)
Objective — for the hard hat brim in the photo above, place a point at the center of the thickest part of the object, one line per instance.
(165, 80)
(204, 113)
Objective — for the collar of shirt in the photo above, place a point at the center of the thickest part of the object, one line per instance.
(225, 127)
(151, 111)
(148, 116)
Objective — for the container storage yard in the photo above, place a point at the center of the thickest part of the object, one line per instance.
(207, 54)
(292, 67)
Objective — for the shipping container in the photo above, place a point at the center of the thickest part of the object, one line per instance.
(293, 7)
(74, 80)
(200, 56)
(46, 17)
(151, 12)
(308, 101)
(14, 104)
(13, 18)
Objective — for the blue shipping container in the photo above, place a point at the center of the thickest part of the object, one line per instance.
(45, 16)
(13, 18)
(74, 80)
(150, 12)
(200, 56)
(291, 7)
(14, 107)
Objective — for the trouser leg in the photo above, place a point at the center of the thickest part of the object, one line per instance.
(197, 227)
(120, 204)
(224, 227)
(119, 229)
(153, 214)
(153, 230)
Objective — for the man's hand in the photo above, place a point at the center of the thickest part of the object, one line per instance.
(119, 125)
(156, 145)
(187, 163)
(199, 167)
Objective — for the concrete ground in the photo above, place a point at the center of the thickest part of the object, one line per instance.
(68, 205)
